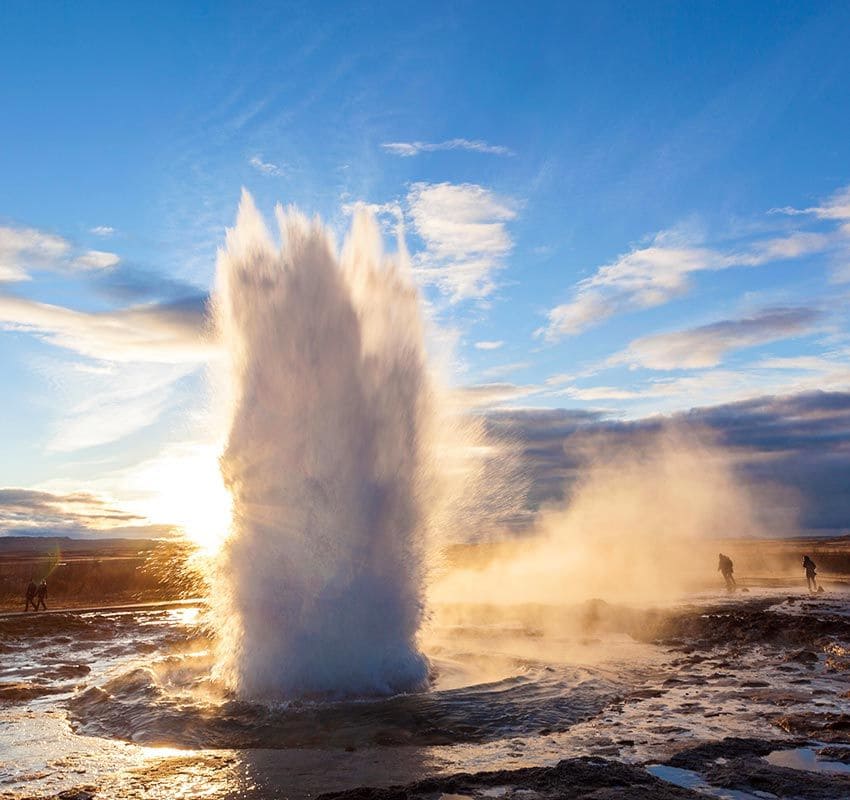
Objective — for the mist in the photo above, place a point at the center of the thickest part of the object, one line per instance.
(641, 525)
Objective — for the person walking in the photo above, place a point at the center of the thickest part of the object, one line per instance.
(726, 568)
(811, 572)
(31, 590)
(41, 593)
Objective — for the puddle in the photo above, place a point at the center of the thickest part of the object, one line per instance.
(688, 779)
(804, 758)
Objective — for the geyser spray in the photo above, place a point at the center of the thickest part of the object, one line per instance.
(329, 456)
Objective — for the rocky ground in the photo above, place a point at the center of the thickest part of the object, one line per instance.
(773, 668)
(805, 641)
(734, 764)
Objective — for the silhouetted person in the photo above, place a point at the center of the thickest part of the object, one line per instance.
(724, 566)
(31, 590)
(41, 593)
(811, 570)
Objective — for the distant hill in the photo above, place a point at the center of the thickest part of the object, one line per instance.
(34, 546)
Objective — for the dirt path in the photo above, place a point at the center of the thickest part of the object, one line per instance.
(149, 606)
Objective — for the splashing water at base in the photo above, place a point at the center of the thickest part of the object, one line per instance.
(329, 461)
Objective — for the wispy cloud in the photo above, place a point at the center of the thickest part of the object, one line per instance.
(712, 385)
(136, 356)
(165, 333)
(24, 248)
(656, 273)
(493, 395)
(102, 230)
(391, 209)
(266, 167)
(136, 360)
(488, 345)
(464, 229)
(112, 402)
(794, 245)
(642, 278)
(599, 393)
(706, 345)
(96, 259)
(409, 149)
(27, 250)
(503, 370)
(836, 207)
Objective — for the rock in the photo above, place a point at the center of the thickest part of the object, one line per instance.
(586, 778)
(827, 727)
(803, 657)
(80, 793)
(829, 753)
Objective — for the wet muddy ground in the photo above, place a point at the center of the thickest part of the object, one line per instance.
(741, 697)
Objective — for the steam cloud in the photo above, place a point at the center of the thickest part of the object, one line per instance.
(641, 525)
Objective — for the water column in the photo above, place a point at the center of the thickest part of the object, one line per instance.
(319, 588)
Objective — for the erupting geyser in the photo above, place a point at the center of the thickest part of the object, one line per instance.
(328, 460)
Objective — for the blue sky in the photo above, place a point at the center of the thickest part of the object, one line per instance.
(626, 208)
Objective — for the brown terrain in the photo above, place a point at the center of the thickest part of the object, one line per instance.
(95, 572)
(99, 572)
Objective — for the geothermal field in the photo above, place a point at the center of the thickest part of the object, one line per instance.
(424, 401)
(336, 638)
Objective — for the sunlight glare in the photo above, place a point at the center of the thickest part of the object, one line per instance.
(184, 488)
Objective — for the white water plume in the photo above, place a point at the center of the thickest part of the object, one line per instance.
(330, 461)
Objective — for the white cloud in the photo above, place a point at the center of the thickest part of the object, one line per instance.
(652, 275)
(503, 370)
(463, 227)
(266, 167)
(493, 395)
(159, 333)
(139, 355)
(794, 245)
(642, 278)
(408, 149)
(708, 387)
(560, 379)
(96, 259)
(392, 209)
(706, 345)
(24, 248)
(597, 393)
(488, 345)
(102, 230)
(587, 309)
(836, 207)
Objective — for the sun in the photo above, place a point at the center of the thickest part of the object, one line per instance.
(183, 487)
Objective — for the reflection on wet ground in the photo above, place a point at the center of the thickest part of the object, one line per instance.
(124, 701)
(808, 759)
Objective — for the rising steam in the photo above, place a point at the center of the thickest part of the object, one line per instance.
(330, 461)
(641, 525)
